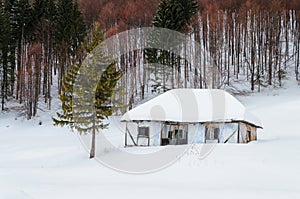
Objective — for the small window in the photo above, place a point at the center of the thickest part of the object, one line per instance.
(216, 133)
(212, 133)
(143, 131)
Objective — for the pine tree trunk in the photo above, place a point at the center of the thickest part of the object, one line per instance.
(92, 152)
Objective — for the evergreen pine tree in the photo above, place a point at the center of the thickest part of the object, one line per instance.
(44, 13)
(89, 119)
(6, 66)
(70, 29)
(79, 27)
(43, 10)
(173, 15)
(21, 21)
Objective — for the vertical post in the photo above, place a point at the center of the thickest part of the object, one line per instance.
(126, 134)
(149, 139)
(187, 134)
(205, 133)
(161, 130)
(137, 139)
(238, 134)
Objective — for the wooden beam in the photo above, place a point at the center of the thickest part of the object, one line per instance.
(161, 129)
(131, 137)
(137, 130)
(126, 134)
(234, 132)
(238, 135)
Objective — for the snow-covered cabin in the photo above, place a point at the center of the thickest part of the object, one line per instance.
(188, 116)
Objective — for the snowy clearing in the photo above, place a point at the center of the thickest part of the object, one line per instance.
(42, 161)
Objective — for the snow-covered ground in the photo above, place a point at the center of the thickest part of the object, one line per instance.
(42, 161)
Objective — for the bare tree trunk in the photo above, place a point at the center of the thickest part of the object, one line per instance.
(297, 58)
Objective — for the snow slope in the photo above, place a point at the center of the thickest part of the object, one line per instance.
(42, 161)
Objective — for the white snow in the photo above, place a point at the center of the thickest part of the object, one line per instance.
(192, 106)
(50, 162)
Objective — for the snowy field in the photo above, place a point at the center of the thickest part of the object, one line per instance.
(42, 161)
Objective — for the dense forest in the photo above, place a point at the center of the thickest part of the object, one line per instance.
(250, 41)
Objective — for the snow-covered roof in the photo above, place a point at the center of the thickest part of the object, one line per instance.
(192, 106)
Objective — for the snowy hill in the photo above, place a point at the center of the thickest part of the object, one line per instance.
(42, 161)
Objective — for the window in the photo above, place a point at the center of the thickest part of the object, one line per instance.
(212, 133)
(216, 133)
(143, 131)
(175, 134)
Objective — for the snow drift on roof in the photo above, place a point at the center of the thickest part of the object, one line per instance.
(192, 106)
